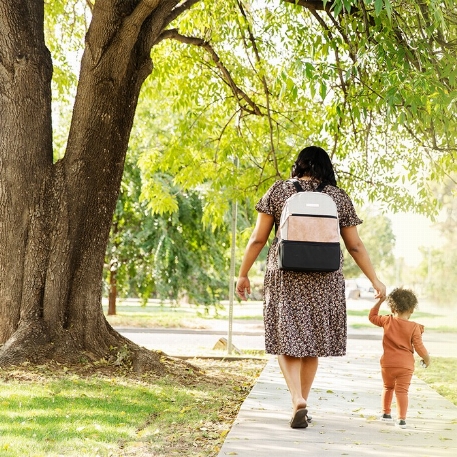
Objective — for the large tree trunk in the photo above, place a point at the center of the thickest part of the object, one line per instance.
(55, 218)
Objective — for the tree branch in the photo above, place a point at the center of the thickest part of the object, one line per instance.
(131, 26)
(227, 78)
(317, 5)
(114, 33)
(179, 10)
(90, 4)
(264, 83)
(337, 57)
(366, 20)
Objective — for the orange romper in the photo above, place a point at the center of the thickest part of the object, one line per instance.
(401, 338)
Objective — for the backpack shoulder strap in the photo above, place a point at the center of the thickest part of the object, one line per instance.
(296, 184)
(299, 188)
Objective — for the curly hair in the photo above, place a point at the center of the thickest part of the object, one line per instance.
(402, 300)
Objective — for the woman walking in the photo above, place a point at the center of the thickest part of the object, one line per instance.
(304, 312)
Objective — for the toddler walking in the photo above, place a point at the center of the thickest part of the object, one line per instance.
(401, 338)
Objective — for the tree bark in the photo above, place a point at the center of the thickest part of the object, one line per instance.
(55, 218)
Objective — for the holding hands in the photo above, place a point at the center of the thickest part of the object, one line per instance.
(380, 289)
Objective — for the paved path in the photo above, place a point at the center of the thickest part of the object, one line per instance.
(345, 407)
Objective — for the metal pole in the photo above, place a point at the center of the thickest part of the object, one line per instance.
(232, 276)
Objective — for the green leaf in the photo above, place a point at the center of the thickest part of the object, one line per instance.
(378, 4)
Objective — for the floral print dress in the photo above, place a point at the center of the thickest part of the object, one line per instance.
(304, 313)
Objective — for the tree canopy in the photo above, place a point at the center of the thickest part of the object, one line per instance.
(438, 267)
(233, 89)
(169, 256)
(372, 82)
(379, 239)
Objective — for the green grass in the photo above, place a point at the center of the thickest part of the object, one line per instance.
(177, 317)
(365, 312)
(247, 317)
(46, 413)
(88, 416)
(441, 375)
(153, 316)
(358, 319)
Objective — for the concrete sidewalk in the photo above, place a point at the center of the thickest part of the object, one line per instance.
(345, 409)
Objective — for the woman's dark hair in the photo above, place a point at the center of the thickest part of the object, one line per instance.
(314, 162)
(402, 300)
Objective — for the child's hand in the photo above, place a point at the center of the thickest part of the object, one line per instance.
(425, 362)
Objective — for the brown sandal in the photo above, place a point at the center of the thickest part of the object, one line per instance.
(300, 419)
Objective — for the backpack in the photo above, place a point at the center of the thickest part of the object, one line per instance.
(309, 232)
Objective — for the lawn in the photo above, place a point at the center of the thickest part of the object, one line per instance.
(131, 314)
(436, 322)
(98, 411)
(441, 375)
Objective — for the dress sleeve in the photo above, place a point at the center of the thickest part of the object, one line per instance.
(346, 211)
(267, 203)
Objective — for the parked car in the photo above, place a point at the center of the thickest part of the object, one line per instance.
(356, 287)
(351, 289)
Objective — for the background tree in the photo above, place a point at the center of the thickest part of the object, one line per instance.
(438, 267)
(379, 239)
(171, 256)
(358, 76)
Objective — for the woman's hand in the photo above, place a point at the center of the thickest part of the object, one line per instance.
(243, 287)
(380, 289)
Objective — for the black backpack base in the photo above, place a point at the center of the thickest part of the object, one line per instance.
(308, 256)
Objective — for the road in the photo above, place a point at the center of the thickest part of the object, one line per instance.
(249, 336)
(192, 343)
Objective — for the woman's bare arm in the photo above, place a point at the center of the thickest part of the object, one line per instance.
(256, 242)
(357, 250)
